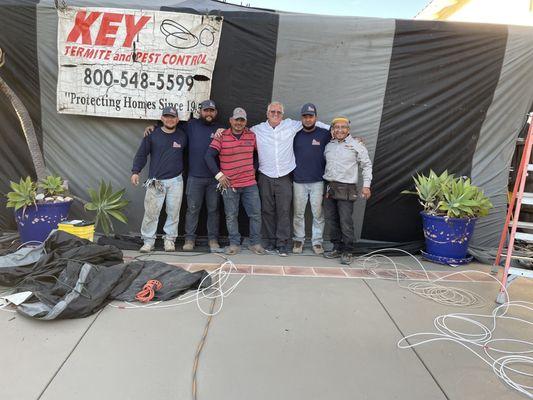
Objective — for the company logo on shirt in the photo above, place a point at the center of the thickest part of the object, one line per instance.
(176, 145)
(315, 142)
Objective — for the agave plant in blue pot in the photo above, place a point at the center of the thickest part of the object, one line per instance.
(451, 207)
(39, 207)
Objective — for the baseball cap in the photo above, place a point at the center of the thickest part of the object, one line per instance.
(170, 111)
(206, 104)
(308, 109)
(239, 113)
(340, 119)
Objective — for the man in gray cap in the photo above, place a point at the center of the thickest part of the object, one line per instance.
(165, 146)
(235, 149)
(201, 184)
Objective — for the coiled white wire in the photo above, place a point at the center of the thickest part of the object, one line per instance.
(429, 289)
(510, 366)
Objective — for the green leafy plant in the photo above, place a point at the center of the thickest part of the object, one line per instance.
(447, 195)
(52, 185)
(107, 205)
(22, 194)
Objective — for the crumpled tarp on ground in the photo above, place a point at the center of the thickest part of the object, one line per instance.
(75, 278)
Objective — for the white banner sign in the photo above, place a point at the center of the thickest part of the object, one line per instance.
(133, 63)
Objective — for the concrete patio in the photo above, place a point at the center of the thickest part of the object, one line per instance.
(331, 333)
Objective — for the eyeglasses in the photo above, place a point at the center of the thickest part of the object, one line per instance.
(275, 112)
(341, 128)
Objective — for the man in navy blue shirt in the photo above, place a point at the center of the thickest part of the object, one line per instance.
(308, 185)
(165, 147)
(201, 184)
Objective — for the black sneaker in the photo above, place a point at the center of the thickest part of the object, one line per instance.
(332, 254)
(282, 251)
(270, 249)
(346, 258)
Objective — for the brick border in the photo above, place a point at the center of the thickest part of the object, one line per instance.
(332, 272)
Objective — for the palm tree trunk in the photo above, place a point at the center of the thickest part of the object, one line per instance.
(27, 128)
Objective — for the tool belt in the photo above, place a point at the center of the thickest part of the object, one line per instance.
(155, 183)
(341, 191)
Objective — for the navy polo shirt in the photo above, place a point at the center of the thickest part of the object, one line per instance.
(165, 151)
(309, 153)
(200, 136)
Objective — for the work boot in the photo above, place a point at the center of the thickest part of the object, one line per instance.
(332, 254)
(214, 247)
(170, 245)
(146, 248)
(297, 247)
(231, 250)
(257, 249)
(188, 245)
(318, 249)
(346, 258)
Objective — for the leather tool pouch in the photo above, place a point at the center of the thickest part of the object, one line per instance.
(341, 191)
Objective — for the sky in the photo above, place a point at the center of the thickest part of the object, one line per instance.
(405, 9)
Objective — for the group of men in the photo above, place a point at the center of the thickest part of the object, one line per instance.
(297, 162)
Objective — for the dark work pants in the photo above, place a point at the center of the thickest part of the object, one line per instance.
(339, 224)
(197, 189)
(276, 199)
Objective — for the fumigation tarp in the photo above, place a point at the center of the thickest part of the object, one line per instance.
(422, 95)
(74, 277)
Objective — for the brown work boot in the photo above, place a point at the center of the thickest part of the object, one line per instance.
(188, 245)
(318, 249)
(257, 249)
(232, 250)
(214, 247)
(297, 247)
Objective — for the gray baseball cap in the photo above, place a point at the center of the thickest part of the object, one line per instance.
(208, 104)
(308, 109)
(239, 113)
(170, 111)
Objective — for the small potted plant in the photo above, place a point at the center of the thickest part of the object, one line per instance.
(39, 207)
(451, 207)
(107, 205)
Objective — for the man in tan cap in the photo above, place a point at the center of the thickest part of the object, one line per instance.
(344, 156)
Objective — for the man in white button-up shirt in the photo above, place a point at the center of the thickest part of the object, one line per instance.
(276, 161)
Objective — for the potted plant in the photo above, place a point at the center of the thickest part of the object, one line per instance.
(451, 207)
(107, 206)
(39, 208)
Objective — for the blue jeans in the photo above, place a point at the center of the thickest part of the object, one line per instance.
(252, 205)
(314, 192)
(172, 193)
(197, 189)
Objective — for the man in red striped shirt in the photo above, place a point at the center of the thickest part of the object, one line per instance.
(236, 151)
